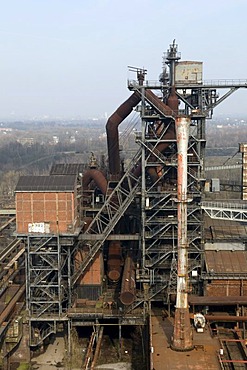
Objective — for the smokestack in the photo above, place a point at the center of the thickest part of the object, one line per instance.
(182, 335)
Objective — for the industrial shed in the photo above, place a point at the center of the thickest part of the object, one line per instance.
(47, 204)
(226, 273)
(68, 169)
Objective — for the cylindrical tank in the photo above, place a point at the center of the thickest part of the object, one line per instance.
(114, 262)
(128, 287)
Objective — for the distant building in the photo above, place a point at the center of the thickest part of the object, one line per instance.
(55, 140)
(6, 129)
(28, 141)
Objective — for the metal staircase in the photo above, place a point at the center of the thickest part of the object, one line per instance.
(38, 335)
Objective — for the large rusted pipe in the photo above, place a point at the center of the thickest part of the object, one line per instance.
(10, 306)
(128, 286)
(119, 115)
(98, 178)
(112, 131)
(182, 335)
(225, 318)
(114, 261)
(159, 104)
(172, 100)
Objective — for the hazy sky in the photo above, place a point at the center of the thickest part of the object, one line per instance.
(69, 58)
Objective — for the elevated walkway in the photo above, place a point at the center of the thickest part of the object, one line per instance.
(226, 211)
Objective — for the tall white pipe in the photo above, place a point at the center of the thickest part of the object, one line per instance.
(182, 133)
(182, 334)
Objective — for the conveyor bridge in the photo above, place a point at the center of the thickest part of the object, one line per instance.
(226, 211)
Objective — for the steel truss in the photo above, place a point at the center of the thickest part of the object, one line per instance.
(117, 202)
(226, 211)
(48, 294)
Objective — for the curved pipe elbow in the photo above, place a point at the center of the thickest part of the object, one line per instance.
(112, 131)
(98, 178)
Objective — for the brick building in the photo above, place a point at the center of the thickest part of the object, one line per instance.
(47, 204)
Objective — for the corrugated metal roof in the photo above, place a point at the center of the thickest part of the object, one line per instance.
(46, 183)
(224, 262)
(225, 246)
(224, 229)
(67, 168)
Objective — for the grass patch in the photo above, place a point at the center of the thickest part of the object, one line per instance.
(23, 366)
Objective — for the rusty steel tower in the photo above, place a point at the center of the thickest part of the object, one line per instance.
(173, 112)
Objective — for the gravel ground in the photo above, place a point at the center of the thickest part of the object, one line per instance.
(52, 358)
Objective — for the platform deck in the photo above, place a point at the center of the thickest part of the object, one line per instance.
(203, 357)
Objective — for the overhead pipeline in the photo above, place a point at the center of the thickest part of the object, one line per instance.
(112, 131)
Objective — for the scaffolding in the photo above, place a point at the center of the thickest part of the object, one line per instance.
(48, 290)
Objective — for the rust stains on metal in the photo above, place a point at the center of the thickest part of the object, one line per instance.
(182, 335)
(172, 100)
(98, 178)
(225, 262)
(217, 300)
(114, 261)
(128, 287)
(163, 358)
(112, 131)
(159, 104)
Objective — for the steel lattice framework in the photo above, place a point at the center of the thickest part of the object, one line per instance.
(226, 211)
(48, 283)
(159, 203)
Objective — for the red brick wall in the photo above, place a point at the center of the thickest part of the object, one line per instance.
(226, 288)
(59, 210)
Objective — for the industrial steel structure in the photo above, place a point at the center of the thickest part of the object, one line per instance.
(123, 239)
